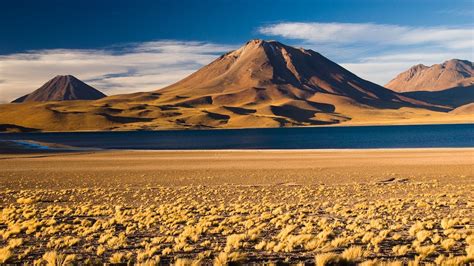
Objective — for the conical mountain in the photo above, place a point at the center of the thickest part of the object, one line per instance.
(269, 71)
(450, 74)
(62, 88)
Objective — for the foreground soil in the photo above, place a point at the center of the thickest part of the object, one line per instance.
(216, 207)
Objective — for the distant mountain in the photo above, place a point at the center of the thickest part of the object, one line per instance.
(62, 88)
(450, 74)
(261, 84)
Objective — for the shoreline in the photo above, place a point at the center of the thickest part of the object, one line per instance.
(337, 125)
(349, 150)
(368, 150)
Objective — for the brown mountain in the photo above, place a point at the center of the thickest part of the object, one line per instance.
(62, 88)
(450, 74)
(269, 71)
(261, 84)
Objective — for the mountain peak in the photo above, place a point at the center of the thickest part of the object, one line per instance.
(457, 61)
(450, 73)
(271, 45)
(262, 42)
(419, 66)
(65, 79)
(256, 44)
(465, 66)
(64, 76)
(62, 88)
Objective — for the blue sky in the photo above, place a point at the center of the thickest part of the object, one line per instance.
(124, 46)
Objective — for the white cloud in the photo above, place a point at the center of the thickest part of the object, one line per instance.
(378, 52)
(121, 69)
(350, 33)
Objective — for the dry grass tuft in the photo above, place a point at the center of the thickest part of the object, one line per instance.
(53, 258)
(352, 254)
(146, 223)
(330, 259)
(5, 254)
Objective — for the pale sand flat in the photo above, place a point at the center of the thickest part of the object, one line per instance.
(243, 167)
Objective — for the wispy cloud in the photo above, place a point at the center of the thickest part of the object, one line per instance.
(121, 69)
(379, 51)
(369, 33)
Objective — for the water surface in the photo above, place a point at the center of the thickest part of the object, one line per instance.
(354, 137)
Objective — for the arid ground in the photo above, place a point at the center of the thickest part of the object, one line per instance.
(185, 207)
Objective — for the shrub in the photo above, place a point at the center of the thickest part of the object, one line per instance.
(324, 259)
(117, 257)
(353, 254)
(53, 258)
(5, 254)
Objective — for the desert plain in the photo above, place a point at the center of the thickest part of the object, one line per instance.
(323, 207)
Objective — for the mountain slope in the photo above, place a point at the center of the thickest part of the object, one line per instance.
(452, 97)
(467, 109)
(62, 88)
(261, 84)
(452, 73)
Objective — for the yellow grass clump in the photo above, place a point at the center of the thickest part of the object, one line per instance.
(147, 224)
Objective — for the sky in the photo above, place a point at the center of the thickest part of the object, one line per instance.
(120, 46)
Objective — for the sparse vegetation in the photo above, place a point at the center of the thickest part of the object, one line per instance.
(367, 223)
(228, 223)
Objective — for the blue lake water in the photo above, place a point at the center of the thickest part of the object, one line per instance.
(356, 137)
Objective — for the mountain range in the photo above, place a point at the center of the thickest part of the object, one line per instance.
(261, 84)
(450, 74)
(450, 84)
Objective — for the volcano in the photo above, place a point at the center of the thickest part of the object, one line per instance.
(269, 71)
(62, 88)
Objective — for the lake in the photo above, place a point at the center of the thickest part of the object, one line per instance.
(353, 137)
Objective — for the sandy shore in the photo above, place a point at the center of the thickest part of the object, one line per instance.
(235, 167)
